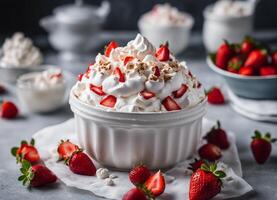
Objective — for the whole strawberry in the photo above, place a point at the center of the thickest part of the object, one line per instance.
(139, 174)
(256, 58)
(80, 163)
(235, 64)
(135, 194)
(66, 149)
(196, 164)
(209, 152)
(26, 151)
(268, 70)
(36, 176)
(205, 183)
(223, 55)
(215, 96)
(247, 45)
(218, 137)
(8, 110)
(261, 146)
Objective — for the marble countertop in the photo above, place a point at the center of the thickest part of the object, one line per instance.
(262, 178)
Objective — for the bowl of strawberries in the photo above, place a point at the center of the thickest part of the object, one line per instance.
(248, 68)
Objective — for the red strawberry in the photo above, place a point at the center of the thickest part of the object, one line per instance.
(261, 146)
(223, 55)
(246, 71)
(268, 70)
(157, 71)
(119, 74)
(155, 184)
(2, 89)
(36, 176)
(139, 175)
(66, 149)
(128, 59)
(112, 45)
(196, 164)
(205, 183)
(147, 95)
(247, 46)
(170, 104)
(235, 64)
(8, 110)
(80, 77)
(218, 137)
(135, 194)
(97, 89)
(163, 53)
(256, 58)
(215, 96)
(274, 58)
(108, 101)
(209, 152)
(26, 152)
(181, 91)
(80, 163)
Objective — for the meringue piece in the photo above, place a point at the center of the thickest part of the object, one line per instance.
(109, 182)
(113, 176)
(102, 173)
(232, 8)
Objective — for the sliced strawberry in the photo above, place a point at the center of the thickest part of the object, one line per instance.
(210, 152)
(215, 96)
(112, 45)
(268, 70)
(108, 101)
(80, 77)
(66, 149)
(163, 53)
(170, 104)
(181, 91)
(128, 59)
(246, 71)
(156, 184)
(119, 74)
(157, 71)
(97, 89)
(147, 95)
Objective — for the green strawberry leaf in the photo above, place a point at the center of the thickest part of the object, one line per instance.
(32, 142)
(220, 174)
(13, 151)
(23, 142)
(21, 178)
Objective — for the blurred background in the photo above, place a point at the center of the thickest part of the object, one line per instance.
(24, 15)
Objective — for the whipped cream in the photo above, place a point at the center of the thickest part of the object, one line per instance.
(165, 14)
(233, 8)
(19, 51)
(146, 85)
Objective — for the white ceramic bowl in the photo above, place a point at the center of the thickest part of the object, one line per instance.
(122, 140)
(177, 36)
(216, 29)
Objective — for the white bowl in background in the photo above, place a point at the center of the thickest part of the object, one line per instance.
(219, 28)
(176, 35)
(121, 140)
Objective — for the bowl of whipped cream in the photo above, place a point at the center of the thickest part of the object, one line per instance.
(18, 55)
(138, 104)
(165, 23)
(44, 91)
(227, 20)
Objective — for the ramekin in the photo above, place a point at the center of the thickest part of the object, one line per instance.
(122, 140)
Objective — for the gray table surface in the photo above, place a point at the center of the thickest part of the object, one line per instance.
(262, 178)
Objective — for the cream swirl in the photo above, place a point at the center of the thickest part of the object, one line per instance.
(133, 79)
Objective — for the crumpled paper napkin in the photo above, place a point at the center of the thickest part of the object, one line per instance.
(177, 178)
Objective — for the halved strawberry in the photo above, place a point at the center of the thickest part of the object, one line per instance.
(80, 77)
(268, 70)
(156, 184)
(163, 53)
(209, 152)
(170, 104)
(246, 71)
(119, 74)
(108, 101)
(97, 89)
(112, 45)
(157, 71)
(147, 95)
(181, 91)
(66, 149)
(128, 59)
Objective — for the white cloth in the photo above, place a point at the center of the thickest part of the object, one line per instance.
(261, 110)
(48, 138)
